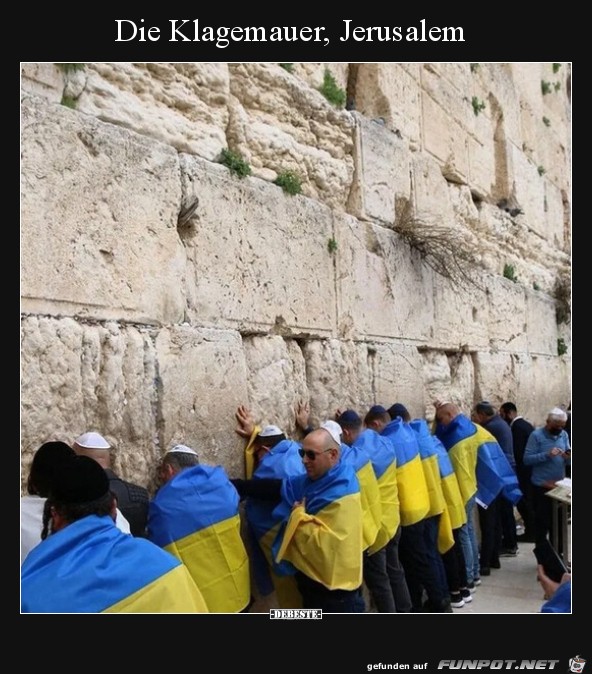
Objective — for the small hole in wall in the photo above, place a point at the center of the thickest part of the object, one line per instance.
(475, 313)
(477, 200)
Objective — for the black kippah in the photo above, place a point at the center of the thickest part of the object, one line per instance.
(80, 479)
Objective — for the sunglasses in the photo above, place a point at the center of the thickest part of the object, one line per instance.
(309, 454)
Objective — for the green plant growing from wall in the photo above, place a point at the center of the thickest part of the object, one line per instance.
(546, 121)
(474, 67)
(556, 67)
(235, 163)
(535, 286)
(561, 347)
(288, 67)
(546, 87)
(557, 86)
(333, 93)
(541, 170)
(289, 182)
(69, 101)
(331, 245)
(67, 68)
(477, 105)
(510, 272)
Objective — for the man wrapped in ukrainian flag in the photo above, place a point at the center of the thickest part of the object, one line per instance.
(87, 565)
(320, 538)
(195, 516)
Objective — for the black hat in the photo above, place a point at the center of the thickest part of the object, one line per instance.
(80, 479)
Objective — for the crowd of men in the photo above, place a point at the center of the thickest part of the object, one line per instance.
(382, 501)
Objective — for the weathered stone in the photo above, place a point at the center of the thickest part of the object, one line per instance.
(447, 378)
(202, 379)
(77, 377)
(101, 203)
(257, 260)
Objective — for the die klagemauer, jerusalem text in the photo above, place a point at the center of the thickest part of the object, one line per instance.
(190, 30)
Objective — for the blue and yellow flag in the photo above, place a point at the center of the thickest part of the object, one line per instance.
(414, 498)
(431, 469)
(480, 464)
(369, 491)
(92, 567)
(384, 463)
(323, 538)
(279, 462)
(195, 517)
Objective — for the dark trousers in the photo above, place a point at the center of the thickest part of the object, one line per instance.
(455, 565)
(385, 578)
(543, 519)
(508, 523)
(316, 595)
(491, 534)
(419, 572)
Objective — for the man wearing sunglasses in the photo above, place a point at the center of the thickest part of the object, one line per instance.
(320, 538)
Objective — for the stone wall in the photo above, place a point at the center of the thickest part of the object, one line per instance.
(153, 332)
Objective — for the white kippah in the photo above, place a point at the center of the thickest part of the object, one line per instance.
(558, 412)
(334, 429)
(92, 441)
(270, 431)
(182, 449)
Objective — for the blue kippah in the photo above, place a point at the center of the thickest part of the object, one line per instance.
(376, 409)
(349, 418)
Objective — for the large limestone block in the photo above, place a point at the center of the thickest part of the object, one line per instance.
(258, 259)
(383, 287)
(391, 91)
(482, 157)
(42, 79)
(503, 98)
(541, 324)
(276, 380)
(528, 78)
(339, 376)
(557, 215)
(507, 316)
(184, 105)
(495, 376)
(450, 86)
(78, 377)
(278, 123)
(445, 139)
(447, 376)
(398, 377)
(202, 380)
(460, 315)
(382, 172)
(535, 384)
(99, 208)
(555, 160)
(529, 192)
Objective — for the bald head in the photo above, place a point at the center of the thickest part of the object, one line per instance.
(319, 453)
(447, 412)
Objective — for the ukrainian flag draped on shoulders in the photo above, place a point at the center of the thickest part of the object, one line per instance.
(279, 462)
(414, 498)
(369, 491)
(323, 537)
(90, 566)
(431, 468)
(195, 517)
(384, 464)
(480, 464)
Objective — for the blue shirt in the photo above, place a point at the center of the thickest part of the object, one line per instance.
(536, 454)
(560, 602)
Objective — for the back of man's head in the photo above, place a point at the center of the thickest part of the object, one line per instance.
(181, 457)
(46, 463)
(80, 488)
(485, 409)
(399, 410)
(508, 407)
(377, 418)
